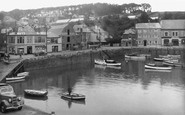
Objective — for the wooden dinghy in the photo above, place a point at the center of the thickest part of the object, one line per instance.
(157, 67)
(107, 62)
(15, 78)
(73, 96)
(23, 74)
(36, 93)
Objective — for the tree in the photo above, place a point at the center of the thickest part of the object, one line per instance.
(144, 18)
(146, 7)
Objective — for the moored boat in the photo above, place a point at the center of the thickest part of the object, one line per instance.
(107, 62)
(160, 59)
(157, 67)
(23, 74)
(73, 96)
(172, 63)
(135, 57)
(15, 78)
(36, 93)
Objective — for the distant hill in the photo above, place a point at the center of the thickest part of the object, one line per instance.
(97, 9)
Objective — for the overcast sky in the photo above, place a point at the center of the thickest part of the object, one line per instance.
(157, 5)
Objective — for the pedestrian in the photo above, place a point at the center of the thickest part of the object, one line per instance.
(20, 54)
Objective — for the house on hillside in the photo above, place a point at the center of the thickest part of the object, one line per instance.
(26, 41)
(173, 32)
(129, 38)
(54, 38)
(148, 34)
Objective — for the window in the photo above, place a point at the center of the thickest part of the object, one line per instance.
(54, 40)
(68, 32)
(166, 34)
(139, 35)
(175, 33)
(29, 39)
(39, 39)
(68, 39)
(20, 39)
(11, 40)
(139, 31)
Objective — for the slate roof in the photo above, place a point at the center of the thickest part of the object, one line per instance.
(148, 25)
(56, 31)
(172, 24)
(130, 31)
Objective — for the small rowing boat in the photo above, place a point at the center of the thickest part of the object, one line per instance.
(107, 62)
(36, 93)
(73, 96)
(157, 67)
(23, 74)
(15, 78)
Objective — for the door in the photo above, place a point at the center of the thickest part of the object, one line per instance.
(145, 42)
(29, 49)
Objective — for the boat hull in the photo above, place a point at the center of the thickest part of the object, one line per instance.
(157, 67)
(102, 62)
(135, 57)
(15, 78)
(73, 96)
(35, 93)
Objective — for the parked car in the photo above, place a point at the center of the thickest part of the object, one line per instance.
(8, 98)
(40, 53)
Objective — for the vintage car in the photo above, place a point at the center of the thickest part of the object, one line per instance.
(8, 98)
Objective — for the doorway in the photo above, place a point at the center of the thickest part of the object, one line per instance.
(145, 42)
(29, 49)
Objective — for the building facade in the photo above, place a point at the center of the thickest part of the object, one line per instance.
(173, 32)
(129, 38)
(149, 34)
(26, 41)
(84, 32)
(26, 44)
(70, 40)
(54, 38)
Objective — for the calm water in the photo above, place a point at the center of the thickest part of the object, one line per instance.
(129, 90)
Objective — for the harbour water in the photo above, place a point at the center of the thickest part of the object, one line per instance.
(125, 90)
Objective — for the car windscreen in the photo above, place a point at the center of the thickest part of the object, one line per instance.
(6, 89)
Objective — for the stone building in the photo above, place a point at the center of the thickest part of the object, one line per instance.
(149, 34)
(173, 32)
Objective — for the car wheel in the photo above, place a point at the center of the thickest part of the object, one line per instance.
(3, 108)
(19, 108)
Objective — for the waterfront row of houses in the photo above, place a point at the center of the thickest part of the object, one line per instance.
(68, 36)
(164, 33)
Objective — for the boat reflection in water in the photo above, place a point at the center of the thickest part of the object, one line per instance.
(36, 98)
(69, 101)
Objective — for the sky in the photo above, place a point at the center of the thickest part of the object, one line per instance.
(157, 5)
